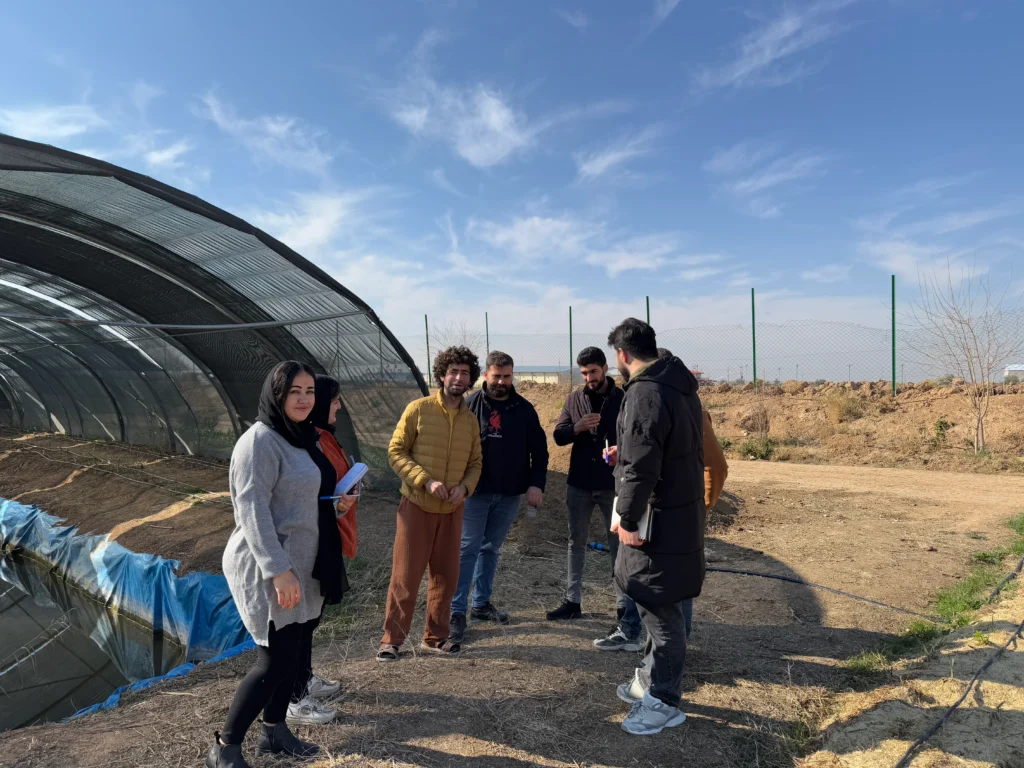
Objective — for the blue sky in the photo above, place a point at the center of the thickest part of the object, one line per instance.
(460, 157)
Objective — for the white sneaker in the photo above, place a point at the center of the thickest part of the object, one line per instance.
(651, 716)
(309, 711)
(633, 691)
(318, 688)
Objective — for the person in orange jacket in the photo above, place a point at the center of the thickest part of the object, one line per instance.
(311, 691)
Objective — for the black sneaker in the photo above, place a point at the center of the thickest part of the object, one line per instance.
(490, 613)
(458, 627)
(565, 611)
(618, 641)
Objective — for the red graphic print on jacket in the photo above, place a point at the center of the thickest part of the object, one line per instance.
(495, 421)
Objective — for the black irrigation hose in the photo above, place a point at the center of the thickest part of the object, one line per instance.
(909, 754)
(794, 580)
(1006, 580)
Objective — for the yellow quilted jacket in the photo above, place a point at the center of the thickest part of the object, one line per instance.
(434, 443)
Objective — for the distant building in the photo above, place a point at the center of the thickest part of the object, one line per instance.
(1014, 370)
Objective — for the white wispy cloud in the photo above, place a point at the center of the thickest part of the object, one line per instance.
(757, 174)
(537, 237)
(480, 122)
(440, 178)
(591, 165)
(143, 94)
(662, 10)
(828, 273)
(908, 259)
(536, 241)
(770, 54)
(51, 123)
(956, 221)
(576, 18)
(279, 139)
(311, 222)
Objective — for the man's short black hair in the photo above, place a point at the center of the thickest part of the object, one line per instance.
(456, 356)
(499, 360)
(591, 356)
(635, 337)
(663, 353)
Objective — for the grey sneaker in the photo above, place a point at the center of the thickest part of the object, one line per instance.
(309, 711)
(617, 641)
(633, 691)
(458, 627)
(650, 716)
(318, 688)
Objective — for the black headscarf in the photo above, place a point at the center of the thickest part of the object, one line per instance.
(327, 391)
(271, 406)
(328, 568)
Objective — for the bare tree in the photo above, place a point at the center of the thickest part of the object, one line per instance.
(457, 333)
(971, 331)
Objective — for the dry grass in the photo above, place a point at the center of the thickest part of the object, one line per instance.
(841, 407)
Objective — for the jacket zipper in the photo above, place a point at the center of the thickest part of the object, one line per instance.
(451, 433)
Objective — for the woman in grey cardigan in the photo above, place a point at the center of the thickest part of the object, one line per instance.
(283, 560)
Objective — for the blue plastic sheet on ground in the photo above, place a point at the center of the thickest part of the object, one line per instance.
(196, 609)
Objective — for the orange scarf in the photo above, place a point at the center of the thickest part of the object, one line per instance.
(346, 524)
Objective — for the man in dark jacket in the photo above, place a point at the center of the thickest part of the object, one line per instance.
(659, 475)
(588, 424)
(515, 456)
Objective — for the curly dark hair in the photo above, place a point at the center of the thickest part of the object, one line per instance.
(456, 356)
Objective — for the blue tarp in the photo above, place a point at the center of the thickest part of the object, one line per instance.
(196, 610)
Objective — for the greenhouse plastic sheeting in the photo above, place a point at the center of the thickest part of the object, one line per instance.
(115, 698)
(81, 237)
(196, 610)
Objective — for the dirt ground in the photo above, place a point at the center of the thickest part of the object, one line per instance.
(765, 670)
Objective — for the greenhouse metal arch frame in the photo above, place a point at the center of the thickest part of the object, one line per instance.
(87, 241)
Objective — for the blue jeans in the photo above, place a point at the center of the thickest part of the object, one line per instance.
(485, 523)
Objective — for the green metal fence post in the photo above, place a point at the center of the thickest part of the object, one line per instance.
(753, 330)
(487, 331)
(426, 327)
(648, 310)
(570, 347)
(894, 391)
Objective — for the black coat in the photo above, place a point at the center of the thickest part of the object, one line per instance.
(587, 467)
(661, 464)
(515, 448)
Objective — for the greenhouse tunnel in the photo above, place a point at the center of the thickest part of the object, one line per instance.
(118, 253)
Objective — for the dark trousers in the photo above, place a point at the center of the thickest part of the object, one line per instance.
(305, 671)
(581, 505)
(665, 653)
(269, 684)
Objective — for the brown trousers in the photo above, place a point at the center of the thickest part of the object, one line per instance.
(422, 540)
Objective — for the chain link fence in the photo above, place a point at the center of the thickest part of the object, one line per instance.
(809, 350)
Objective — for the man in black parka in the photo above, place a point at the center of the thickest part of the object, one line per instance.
(659, 464)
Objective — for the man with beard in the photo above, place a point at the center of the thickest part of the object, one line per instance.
(435, 451)
(515, 461)
(588, 424)
(660, 481)
(716, 470)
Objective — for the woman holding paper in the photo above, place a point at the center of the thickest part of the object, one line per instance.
(283, 560)
(311, 690)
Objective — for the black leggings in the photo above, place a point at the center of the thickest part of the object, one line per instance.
(305, 669)
(269, 684)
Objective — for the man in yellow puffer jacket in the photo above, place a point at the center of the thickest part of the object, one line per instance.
(436, 453)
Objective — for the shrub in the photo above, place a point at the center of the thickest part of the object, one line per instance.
(725, 442)
(944, 381)
(1012, 379)
(941, 428)
(840, 407)
(760, 448)
(758, 420)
